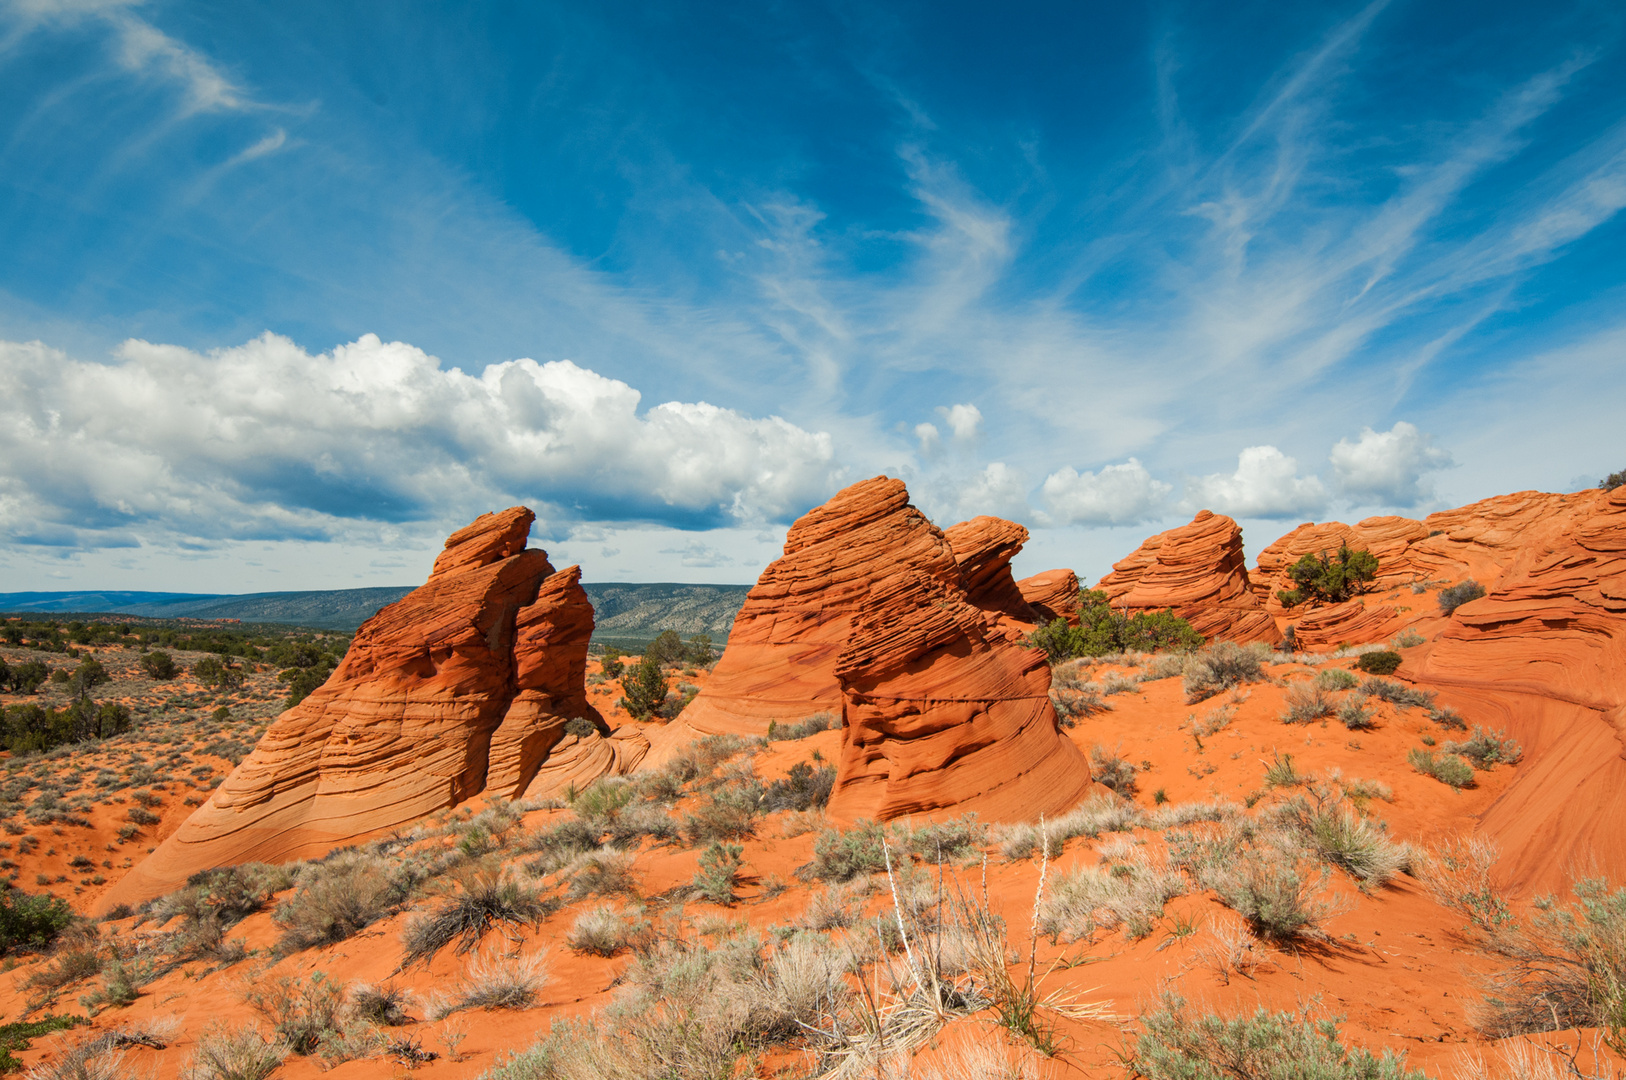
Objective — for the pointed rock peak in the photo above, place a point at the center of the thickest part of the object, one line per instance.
(983, 549)
(849, 508)
(489, 538)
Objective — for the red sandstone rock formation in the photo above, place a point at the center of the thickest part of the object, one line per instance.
(1353, 622)
(1543, 654)
(870, 615)
(983, 549)
(1199, 571)
(461, 687)
(1051, 595)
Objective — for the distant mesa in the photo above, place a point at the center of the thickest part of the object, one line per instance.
(912, 637)
(463, 687)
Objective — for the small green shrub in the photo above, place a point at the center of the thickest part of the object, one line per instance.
(338, 898)
(302, 1012)
(30, 922)
(1336, 679)
(1176, 1044)
(1334, 579)
(16, 1036)
(1454, 597)
(159, 665)
(1612, 481)
(719, 872)
(1485, 750)
(802, 789)
(645, 687)
(1102, 631)
(1378, 662)
(814, 724)
(1446, 768)
(842, 856)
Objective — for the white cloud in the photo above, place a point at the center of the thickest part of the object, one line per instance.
(267, 440)
(998, 490)
(1266, 484)
(963, 420)
(1117, 495)
(928, 436)
(1387, 468)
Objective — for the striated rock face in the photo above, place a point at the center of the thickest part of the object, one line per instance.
(1544, 655)
(1354, 622)
(983, 549)
(870, 615)
(1198, 570)
(461, 687)
(1051, 595)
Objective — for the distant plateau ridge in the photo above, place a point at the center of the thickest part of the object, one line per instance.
(624, 612)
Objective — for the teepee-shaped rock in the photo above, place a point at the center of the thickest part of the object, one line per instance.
(873, 615)
(493, 644)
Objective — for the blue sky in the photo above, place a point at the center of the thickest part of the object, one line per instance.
(289, 289)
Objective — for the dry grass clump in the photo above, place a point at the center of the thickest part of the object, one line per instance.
(1308, 703)
(1448, 769)
(1111, 770)
(1336, 679)
(727, 813)
(1354, 713)
(1094, 816)
(384, 1006)
(487, 896)
(1565, 963)
(494, 983)
(340, 896)
(1397, 694)
(213, 901)
(1073, 694)
(604, 931)
(603, 872)
(1345, 839)
(1259, 871)
(102, 1057)
(1222, 666)
(1128, 891)
(836, 907)
(240, 1053)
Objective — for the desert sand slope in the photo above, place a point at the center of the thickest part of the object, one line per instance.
(1200, 571)
(912, 636)
(494, 642)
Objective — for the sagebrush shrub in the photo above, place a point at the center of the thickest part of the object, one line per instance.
(1446, 768)
(1378, 662)
(1307, 703)
(719, 872)
(1484, 750)
(1221, 666)
(1109, 769)
(339, 897)
(1178, 1044)
(1454, 597)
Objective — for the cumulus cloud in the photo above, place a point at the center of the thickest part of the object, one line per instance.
(1117, 495)
(997, 489)
(266, 440)
(929, 437)
(963, 420)
(1266, 484)
(1388, 467)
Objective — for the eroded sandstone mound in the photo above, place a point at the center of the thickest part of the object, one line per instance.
(1543, 654)
(461, 687)
(1200, 571)
(873, 615)
(1051, 595)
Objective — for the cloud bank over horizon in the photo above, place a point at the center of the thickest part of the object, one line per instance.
(277, 301)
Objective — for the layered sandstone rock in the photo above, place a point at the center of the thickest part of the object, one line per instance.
(1353, 622)
(1543, 655)
(494, 643)
(1051, 595)
(1199, 571)
(983, 549)
(870, 615)
(1388, 538)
